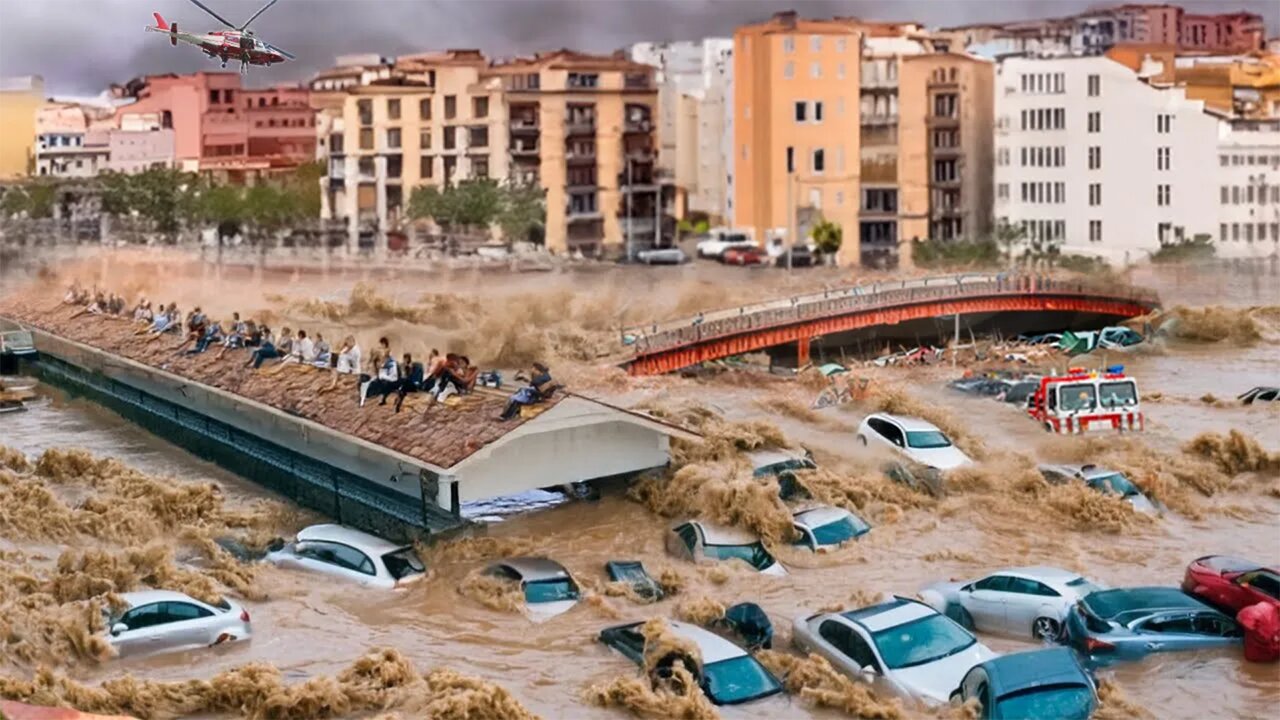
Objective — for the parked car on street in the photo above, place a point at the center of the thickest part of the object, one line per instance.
(917, 439)
(1131, 623)
(156, 621)
(548, 588)
(801, 256)
(1021, 602)
(662, 256)
(1231, 583)
(350, 554)
(901, 647)
(824, 527)
(1108, 482)
(698, 541)
(728, 674)
(749, 255)
(1048, 683)
(722, 240)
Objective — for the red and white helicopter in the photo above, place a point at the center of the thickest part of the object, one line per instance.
(237, 43)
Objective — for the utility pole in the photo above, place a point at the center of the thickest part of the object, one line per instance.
(630, 248)
(792, 225)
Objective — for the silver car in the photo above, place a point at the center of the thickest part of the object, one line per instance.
(156, 621)
(1020, 602)
(699, 541)
(349, 554)
(1109, 482)
(901, 647)
(825, 527)
(548, 588)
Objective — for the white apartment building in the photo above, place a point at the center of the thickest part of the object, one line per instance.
(1248, 170)
(1089, 155)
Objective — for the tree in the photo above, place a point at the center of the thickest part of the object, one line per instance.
(1009, 236)
(828, 237)
(523, 214)
(35, 200)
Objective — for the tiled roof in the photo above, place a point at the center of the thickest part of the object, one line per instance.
(442, 435)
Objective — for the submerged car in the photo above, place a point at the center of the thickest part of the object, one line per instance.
(696, 540)
(1107, 482)
(919, 440)
(155, 621)
(782, 464)
(350, 554)
(826, 527)
(728, 674)
(901, 646)
(1047, 683)
(1131, 623)
(548, 588)
(1231, 583)
(1021, 602)
(662, 256)
(1259, 394)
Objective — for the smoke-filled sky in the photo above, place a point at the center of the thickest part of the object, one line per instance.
(80, 46)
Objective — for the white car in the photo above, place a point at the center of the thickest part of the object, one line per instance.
(917, 439)
(697, 541)
(901, 647)
(351, 555)
(548, 588)
(824, 527)
(156, 621)
(1021, 602)
(719, 242)
(662, 256)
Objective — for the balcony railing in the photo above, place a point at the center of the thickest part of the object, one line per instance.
(580, 126)
(524, 125)
(636, 225)
(638, 126)
(879, 120)
(524, 150)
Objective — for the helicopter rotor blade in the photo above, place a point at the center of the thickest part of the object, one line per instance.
(215, 15)
(277, 50)
(255, 15)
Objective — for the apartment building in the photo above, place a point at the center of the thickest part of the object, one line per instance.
(796, 129)
(1248, 170)
(583, 126)
(71, 140)
(1093, 156)
(1243, 86)
(20, 99)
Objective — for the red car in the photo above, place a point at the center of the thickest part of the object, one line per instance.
(1231, 583)
(743, 256)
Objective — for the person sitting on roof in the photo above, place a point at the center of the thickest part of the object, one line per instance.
(540, 387)
(212, 334)
(235, 335)
(159, 323)
(284, 343)
(197, 326)
(458, 377)
(384, 388)
(304, 351)
(411, 380)
(387, 379)
(142, 313)
(266, 350)
(348, 361)
(115, 304)
(435, 365)
(95, 307)
(323, 355)
(75, 294)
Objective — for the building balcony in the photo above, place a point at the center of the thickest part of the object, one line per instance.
(580, 158)
(579, 127)
(943, 184)
(636, 225)
(946, 151)
(878, 214)
(942, 121)
(878, 120)
(638, 126)
(640, 155)
(582, 215)
(524, 151)
(524, 126)
(878, 85)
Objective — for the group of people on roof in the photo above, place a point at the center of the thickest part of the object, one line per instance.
(440, 377)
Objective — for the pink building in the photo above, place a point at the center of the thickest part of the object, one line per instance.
(218, 126)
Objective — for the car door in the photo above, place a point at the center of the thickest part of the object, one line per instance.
(881, 431)
(332, 559)
(833, 644)
(1162, 633)
(186, 625)
(140, 636)
(985, 602)
(1214, 630)
(1027, 600)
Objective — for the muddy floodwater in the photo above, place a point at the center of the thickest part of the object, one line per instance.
(307, 626)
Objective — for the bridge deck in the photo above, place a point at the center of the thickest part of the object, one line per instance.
(667, 346)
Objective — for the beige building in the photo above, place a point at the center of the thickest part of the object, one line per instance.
(797, 135)
(20, 98)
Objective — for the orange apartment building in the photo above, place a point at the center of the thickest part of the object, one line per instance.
(1243, 86)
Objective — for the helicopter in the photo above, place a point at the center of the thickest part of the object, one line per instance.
(235, 43)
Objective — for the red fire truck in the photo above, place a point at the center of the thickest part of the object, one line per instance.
(1087, 401)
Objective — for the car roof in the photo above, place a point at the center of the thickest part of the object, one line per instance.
(818, 516)
(764, 458)
(1034, 668)
(1107, 604)
(713, 647)
(533, 569)
(907, 422)
(146, 597)
(1044, 573)
(1232, 564)
(888, 614)
(723, 534)
(1086, 471)
(370, 544)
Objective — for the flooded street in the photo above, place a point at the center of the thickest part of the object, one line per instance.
(308, 626)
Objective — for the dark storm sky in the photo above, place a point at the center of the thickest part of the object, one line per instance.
(80, 46)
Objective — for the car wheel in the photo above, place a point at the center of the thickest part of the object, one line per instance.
(1045, 629)
(224, 637)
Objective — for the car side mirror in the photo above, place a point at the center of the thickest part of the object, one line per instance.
(118, 628)
(869, 672)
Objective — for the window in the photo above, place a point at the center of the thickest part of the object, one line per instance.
(1235, 232)
(1235, 194)
(1095, 194)
(365, 109)
(1024, 586)
(480, 167)
(395, 166)
(1095, 122)
(688, 534)
(840, 71)
(366, 167)
(815, 69)
(337, 554)
(1225, 194)
(880, 200)
(815, 43)
(1248, 232)
(801, 110)
(480, 107)
(424, 108)
(1223, 160)
(841, 44)
(424, 140)
(180, 611)
(839, 198)
(789, 70)
(1095, 158)
(366, 138)
(478, 136)
(583, 80)
(450, 107)
(1162, 158)
(1164, 123)
(1222, 232)
(819, 161)
(1162, 195)
(393, 138)
(817, 111)
(393, 109)
(791, 159)
(426, 169)
(450, 138)
(1002, 191)
(995, 583)
(1095, 231)
(1094, 84)
(788, 44)
(144, 617)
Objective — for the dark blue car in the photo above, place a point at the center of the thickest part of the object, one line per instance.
(1046, 683)
(1131, 623)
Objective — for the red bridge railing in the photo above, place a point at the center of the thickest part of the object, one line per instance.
(657, 337)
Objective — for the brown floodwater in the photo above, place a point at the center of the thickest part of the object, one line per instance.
(309, 627)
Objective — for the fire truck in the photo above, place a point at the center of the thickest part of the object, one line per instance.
(1083, 401)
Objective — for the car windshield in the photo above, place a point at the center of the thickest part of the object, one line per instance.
(1077, 398)
(1114, 484)
(921, 641)
(1068, 702)
(754, 554)
(1082, 586)
(402, 563)
(785, 466)
(927, 439)
(833, 533)
(545, 591)
(1118, 394)
(738, 680)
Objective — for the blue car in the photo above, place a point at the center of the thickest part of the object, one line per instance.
(1047, 683)
(1131, 623)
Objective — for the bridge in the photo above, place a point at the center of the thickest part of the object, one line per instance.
(1044, 304)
